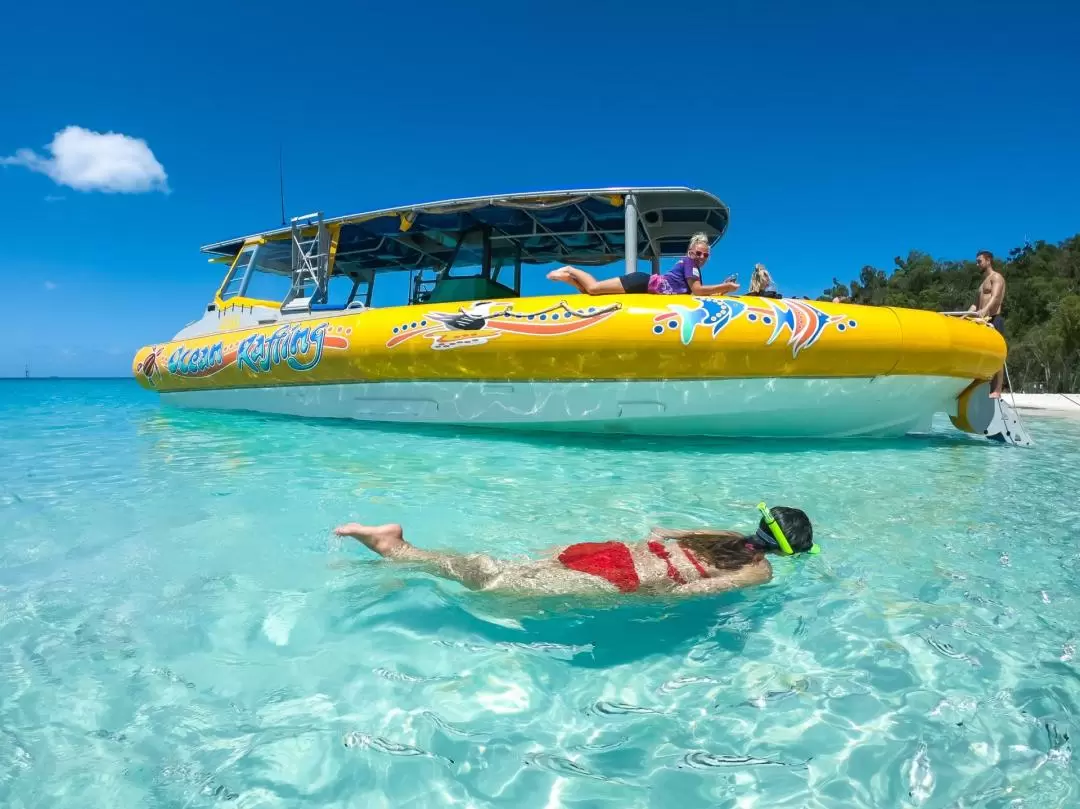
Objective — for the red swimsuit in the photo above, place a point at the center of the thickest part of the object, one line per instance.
(612, 561)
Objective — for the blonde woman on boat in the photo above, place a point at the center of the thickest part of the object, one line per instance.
(761, 282)
(683, 279)
(679, 562)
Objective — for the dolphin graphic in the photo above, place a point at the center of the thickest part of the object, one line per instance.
(708, 312)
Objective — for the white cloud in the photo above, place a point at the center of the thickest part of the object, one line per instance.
(93, 161)
(49, 285)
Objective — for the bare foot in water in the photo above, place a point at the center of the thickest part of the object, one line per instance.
(385, 540)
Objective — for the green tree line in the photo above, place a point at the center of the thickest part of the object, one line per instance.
(1041, 307)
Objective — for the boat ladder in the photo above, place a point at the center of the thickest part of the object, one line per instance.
(1006, 426)
(423, 284)
(310, 262)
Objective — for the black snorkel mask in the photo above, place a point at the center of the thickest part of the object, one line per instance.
(771, 537)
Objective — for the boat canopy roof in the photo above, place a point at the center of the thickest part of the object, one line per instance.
(585, 227)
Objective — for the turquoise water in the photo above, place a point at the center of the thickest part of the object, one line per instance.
(178, 628)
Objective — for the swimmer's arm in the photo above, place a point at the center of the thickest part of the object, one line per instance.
(730, 580)
(672, 533)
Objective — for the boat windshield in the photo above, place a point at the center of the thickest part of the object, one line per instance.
(261, 271)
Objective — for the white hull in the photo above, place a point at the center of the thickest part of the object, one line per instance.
(778, 407)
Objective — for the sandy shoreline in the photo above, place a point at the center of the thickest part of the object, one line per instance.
(1061, 405)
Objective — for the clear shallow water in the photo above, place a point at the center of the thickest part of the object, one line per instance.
(179, 628)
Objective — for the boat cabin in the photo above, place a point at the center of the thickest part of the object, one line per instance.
(457, 250)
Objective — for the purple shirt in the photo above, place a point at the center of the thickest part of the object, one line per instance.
(677, 280)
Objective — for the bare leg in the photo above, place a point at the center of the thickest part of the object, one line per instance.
(475, 571)
(996, 384)
(570, 275)
(586, 283)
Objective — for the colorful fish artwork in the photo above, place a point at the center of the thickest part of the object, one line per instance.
(803, 322)
(487, 320)
(712, 313)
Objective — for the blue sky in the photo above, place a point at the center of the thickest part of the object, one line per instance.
(840, 134)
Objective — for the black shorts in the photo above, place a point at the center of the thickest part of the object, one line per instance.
(998, 322)
(635, 283)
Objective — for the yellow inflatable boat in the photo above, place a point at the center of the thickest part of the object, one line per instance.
(292, 330)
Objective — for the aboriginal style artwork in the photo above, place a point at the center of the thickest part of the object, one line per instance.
(299, 348)
(803, 322)
(150, 366)
(486, 320)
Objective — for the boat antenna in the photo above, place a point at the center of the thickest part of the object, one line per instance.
(281, 185)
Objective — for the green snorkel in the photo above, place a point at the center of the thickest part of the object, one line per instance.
(778, 532)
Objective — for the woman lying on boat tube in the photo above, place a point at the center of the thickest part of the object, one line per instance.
(679, 562)
(683, 279)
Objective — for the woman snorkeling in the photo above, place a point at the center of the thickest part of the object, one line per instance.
(683, 562)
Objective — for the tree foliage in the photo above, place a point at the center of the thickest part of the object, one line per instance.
(1041, 307)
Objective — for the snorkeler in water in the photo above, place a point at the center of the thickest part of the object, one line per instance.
(683, 562)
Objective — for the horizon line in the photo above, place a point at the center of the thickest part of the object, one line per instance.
(40, 378)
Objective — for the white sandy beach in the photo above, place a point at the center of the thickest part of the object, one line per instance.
(1046, 404)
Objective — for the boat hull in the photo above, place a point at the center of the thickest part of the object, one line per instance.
(645, 364)
(776, 407)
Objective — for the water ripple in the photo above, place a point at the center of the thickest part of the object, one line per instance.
(363, 741)
(564, 766)
(605, 708)
(699, 759)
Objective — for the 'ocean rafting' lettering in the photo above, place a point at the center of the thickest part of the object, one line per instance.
(196, 361)
(289, 344)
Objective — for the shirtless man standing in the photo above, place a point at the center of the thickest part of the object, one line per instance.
(988, 307)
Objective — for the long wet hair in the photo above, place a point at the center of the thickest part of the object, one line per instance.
(730, 550)
(727, 550)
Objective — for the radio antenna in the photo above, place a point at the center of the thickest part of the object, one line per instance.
(281, 185)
